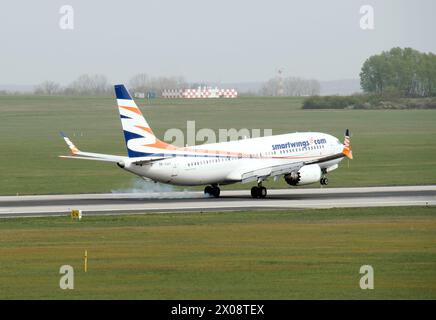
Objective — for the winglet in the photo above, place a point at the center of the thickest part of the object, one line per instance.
(347, 146)
(73, 148)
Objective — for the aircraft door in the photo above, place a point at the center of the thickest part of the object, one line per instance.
(174, 170)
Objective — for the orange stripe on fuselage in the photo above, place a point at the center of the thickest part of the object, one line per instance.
(159, 144)
(218, 152)
(163, 145)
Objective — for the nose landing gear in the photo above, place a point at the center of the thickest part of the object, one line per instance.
(324, 181)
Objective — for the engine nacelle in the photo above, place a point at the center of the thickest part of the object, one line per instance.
(306, 175)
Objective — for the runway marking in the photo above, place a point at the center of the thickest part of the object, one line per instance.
(235, 200)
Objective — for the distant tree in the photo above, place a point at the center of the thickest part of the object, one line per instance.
(292, 86)
(270, 88)
(406, 72)
(47, 88)
(141, 82)
(89, 85)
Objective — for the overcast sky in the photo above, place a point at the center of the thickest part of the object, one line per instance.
(221, 41)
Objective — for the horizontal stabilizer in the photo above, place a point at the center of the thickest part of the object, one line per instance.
(77, 154)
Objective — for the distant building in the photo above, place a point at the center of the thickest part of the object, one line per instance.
(172, 93)
(151, 94)
(228, 93)
(139, 95)
(200, 92)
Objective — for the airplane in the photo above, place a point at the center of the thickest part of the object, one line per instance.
(301, 158)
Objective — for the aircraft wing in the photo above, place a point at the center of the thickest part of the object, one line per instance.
(140, 161)
(271, 171)
(278, 170)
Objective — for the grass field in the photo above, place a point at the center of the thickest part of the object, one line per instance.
(239, 255)
(390, 147)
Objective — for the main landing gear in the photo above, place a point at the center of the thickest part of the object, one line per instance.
(212, 191)
(324, 181)
(258, 191)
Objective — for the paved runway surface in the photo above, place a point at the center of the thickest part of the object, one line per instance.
(189, 201)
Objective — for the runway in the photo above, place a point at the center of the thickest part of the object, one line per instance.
(232, 200)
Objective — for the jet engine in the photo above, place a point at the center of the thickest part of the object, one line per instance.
(306, 175)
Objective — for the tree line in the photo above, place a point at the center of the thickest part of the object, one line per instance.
(403, 72)
(142, 82)
(290, 87)
(394, 73)
(99, 85)
(368, 102)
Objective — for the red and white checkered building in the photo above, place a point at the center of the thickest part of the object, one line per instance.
(228, 93)
(200, 92)
(172, 93)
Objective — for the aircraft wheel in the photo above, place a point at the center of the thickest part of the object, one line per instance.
(255, 192)
(262, 192)
(216, 192)
(208, 191)
(324, 181)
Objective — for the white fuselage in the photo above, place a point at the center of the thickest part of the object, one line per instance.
(244, 155)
